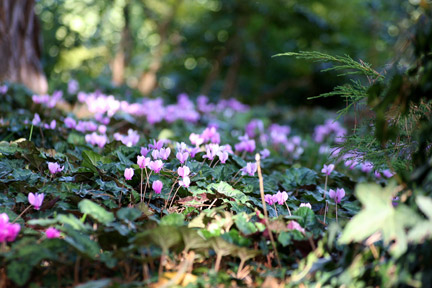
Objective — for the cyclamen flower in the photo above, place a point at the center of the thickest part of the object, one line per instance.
(157, 186)
(337, 195)
(70, 122)
(367, 167)
(51, 233)
(182, 156)
(156, 166)
(211, 151)
(36, 200)
(308, 205)
(164, 153)
(377, 174)
(387, 173)
(185, 182)
(144, 151)
(36, 119)
(157, 145)
(8, 231)
(294, 225)
(183, 171)
(96, 139)
(181, 147)
(269, 199)
(280, 197)
(128, 173)
(196, 139)
(155, 154)
(194, 151)
(265, 153)
(223, 156)
(54, 167)
(328, 169)
(143, 161)
(250, 169)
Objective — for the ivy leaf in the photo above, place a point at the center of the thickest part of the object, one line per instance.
(97, 212)
(244, 225)
(379, 215)
(297, 177)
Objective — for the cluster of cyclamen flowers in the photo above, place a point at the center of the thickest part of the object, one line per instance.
(8, 231)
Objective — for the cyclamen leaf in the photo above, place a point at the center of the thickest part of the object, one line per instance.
(97, 212)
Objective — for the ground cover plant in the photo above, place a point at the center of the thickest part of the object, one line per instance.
(101, 187)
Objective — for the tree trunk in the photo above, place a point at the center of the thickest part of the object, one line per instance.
(20, 46)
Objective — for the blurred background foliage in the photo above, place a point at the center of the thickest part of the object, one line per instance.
(220, 48)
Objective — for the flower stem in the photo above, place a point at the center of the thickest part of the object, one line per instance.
(169, 195)
(237, 180)
(22, 213)
(289, 211)
(172, 201)
(276, 210)
(141, 184)
(336, 214)
(325, 191)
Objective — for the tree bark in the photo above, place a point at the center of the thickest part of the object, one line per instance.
(20, 45)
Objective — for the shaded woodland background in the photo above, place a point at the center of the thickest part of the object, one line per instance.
(219, 48)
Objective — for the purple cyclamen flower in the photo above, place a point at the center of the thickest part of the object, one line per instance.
(70, 122)
(51, 233)
(269, 199)
(157, 145)
(36, 200)
(54, 167)
(377, 174)
(96, 139)
(3, 89)
(156, 166)
(308, 205)
(250, 169)
(73, 86)
(265, 153)
(128, 173)
(328, 169)
(185, 182)
(143, 161)
(211, 151)
(194, 151)
(8, 231)
(144, 151)
(280, 197)
(164, 153)
(387, 173)
(337, 195)
(182, 157)
(183, 171)
(157, 186)
(223, 156)
(366, 167)
(36, 119)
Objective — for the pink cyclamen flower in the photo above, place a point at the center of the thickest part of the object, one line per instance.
(280, 197)
(143, 161)
(223, 156)
(264, 153)
(54, 167)
(196, 139)
(269, 199)
(182, 156)
(144, 151)
(328, 169)
(156, 166)
(129, 173)
(185, 182)
(155, 154)
(294, 225)
(157, 186)
(183, 171)
(8, 231)
(337, 195)
(164, 153)
(51, 233)
(250, 169)
(36, 199)
(308, 205)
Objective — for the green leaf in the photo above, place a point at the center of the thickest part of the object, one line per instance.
(129, 214)
(173, 220)
(97, 212)
(298, 177)
(19, 272)
(83, 243)
(423, 229)
(91, 159)
(227, 190)
(244, 225)
(102, 283)
(379, 215)
(308, 217)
